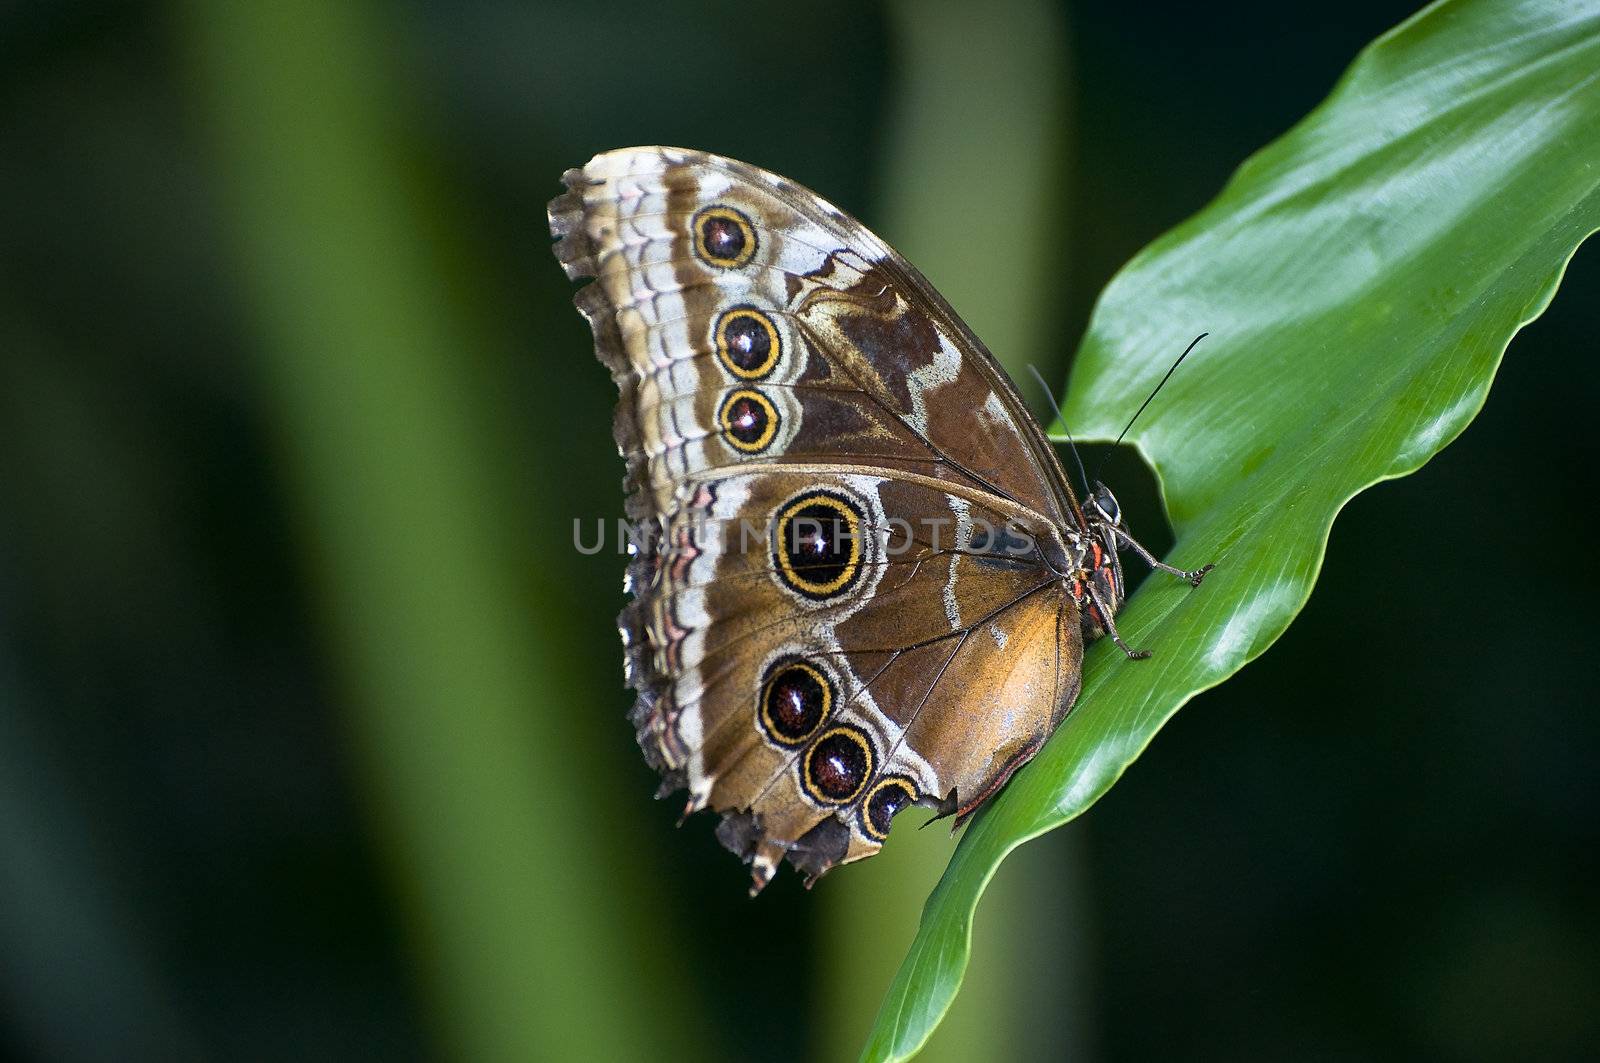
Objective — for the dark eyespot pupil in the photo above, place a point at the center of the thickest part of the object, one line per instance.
(747, 420)
(749, 342)
(723, 237)
(886, 801)
(790, 705)
(818, 542)
(795, 702)
(838, 766)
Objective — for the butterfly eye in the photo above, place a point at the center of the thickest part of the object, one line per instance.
(1106, 503)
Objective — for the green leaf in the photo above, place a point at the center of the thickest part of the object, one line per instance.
(1361, 278)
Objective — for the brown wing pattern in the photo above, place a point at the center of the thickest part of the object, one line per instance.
(843, 601)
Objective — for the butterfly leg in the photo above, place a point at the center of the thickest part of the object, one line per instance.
(1110, 625)
(1194, 576)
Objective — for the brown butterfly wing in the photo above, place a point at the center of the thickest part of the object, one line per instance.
(782, 371)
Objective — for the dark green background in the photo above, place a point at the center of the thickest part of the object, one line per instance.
(1376, 842)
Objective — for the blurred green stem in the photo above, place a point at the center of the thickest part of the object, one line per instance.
(529, 948)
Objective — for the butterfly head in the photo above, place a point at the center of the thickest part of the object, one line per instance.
(1101, 565)
(1103, 508)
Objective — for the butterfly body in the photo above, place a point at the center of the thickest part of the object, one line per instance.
(860, 579)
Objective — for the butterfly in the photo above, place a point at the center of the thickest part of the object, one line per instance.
(860, 579)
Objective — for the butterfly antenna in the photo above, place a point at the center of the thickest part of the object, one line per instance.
(1051, 399)
(1192, 345)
